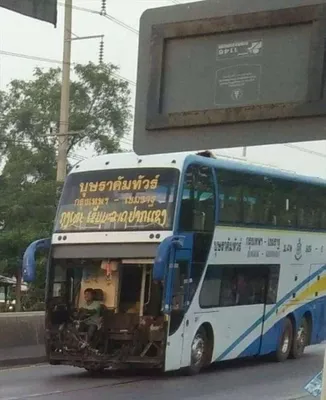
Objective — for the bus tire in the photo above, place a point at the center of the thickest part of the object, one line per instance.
(300, 339)
(284, 347)
(199, 349)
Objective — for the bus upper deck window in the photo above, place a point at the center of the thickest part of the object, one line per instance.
(198, 200)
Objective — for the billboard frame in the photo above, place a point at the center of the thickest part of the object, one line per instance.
(314, 105)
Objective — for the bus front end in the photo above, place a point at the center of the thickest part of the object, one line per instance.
(106, 268)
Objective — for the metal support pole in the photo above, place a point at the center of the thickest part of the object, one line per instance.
(64, 111)
(142, 291)
(87, 37)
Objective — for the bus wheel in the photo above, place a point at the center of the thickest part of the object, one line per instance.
(284, 347)
(199, 347)
(300, 339)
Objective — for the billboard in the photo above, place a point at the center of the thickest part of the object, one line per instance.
(44, 10)
(230, 73)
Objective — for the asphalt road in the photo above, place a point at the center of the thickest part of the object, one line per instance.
(245, 380)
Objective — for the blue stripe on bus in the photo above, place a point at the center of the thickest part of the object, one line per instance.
(269, 314)
(267, 343)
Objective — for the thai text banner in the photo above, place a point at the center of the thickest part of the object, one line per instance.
(117, 200)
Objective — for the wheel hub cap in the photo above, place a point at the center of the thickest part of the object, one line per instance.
(197, 350)
(286, 342)
(301, 336)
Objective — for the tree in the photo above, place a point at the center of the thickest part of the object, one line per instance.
(27, 205)
(100, 112)
(99, 108)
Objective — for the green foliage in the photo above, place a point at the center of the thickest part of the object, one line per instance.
(99, 108)
(33, 299)
(27, 203)
(99, 112)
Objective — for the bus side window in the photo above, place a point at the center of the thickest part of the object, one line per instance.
(256, 284)
(322, 214)
(230, 196)
(273, 277)
(241, 285)
(211, 287)
(284, 199)
(228, 295)
(198, 200)
(197, 269)
(256, 198)
(179, 285)
(309, 216)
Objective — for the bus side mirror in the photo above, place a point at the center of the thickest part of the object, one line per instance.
(162, 259)
(29, 262)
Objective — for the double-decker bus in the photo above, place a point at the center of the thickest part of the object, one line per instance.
(190, 259)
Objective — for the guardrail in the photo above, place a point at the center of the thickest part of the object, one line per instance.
(21, 338)
(22, 314)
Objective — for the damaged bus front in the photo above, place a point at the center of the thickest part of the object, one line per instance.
(125, 310)
(108, 277)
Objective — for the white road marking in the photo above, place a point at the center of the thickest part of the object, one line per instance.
(19, 368)
(31, 396)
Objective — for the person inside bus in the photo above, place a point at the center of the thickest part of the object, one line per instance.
(91, 311)
(242, 296)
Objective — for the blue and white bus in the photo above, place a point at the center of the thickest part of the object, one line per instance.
(190, 259)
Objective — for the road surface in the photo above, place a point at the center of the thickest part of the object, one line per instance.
(245, 380)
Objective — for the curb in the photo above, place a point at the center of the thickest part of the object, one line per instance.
(16, 362)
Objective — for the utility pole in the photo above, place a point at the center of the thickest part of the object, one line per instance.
(65, 96)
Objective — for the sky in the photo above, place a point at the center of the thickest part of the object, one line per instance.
(26, 43)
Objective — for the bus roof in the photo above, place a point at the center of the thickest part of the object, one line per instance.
(177, 160)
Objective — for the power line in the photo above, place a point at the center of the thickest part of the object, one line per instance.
(108, 16)
(53, 61)
(29, 142)
(125, 141)
(304, 150)
(116, 21)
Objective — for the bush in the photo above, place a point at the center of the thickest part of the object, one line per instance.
(33, 300)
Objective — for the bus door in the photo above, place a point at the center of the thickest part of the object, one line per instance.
(269, 331)
(240, 292)
(176, 304)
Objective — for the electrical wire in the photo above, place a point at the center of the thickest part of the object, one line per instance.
(53, 61)
(28, 142)
(304, 150)
(106, 15)
(125, 141)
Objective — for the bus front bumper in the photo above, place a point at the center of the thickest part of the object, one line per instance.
(101, 362)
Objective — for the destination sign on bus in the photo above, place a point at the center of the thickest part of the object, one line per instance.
(114, 200)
